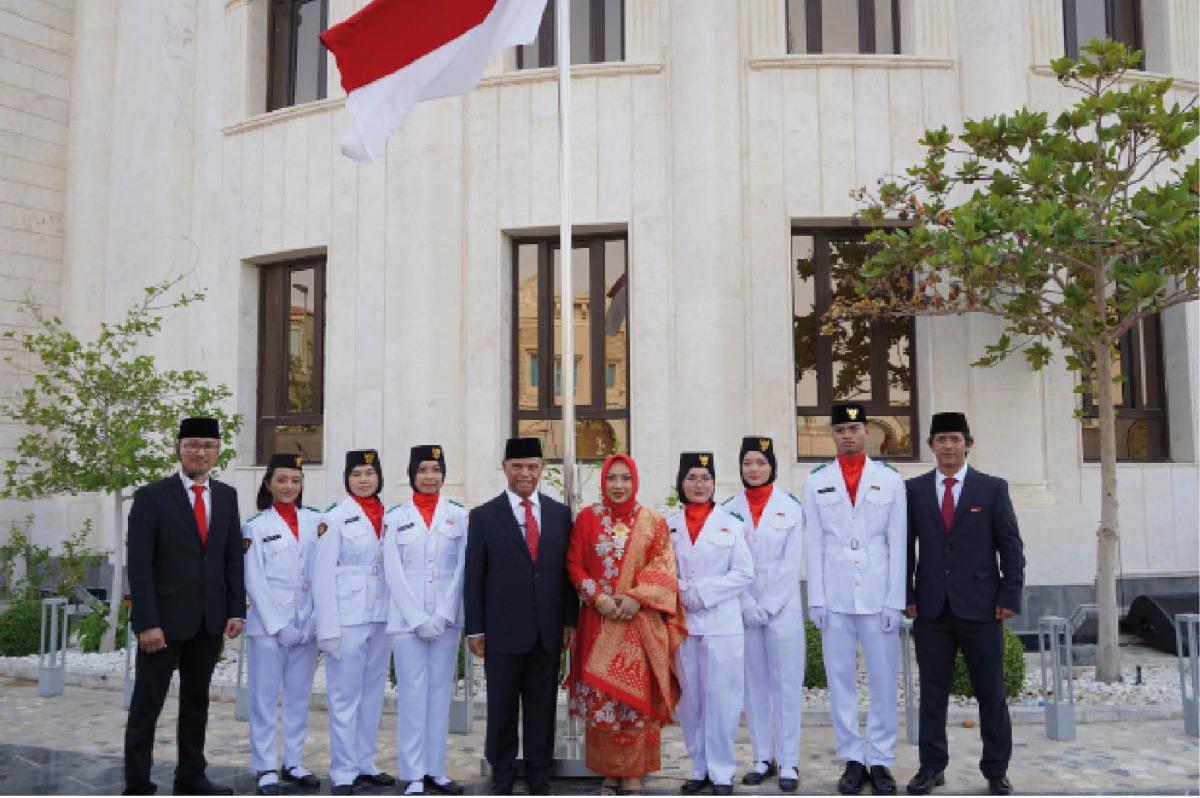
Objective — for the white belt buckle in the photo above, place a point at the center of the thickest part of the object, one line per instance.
(854, 544)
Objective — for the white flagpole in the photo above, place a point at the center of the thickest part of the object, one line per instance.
(563, 35)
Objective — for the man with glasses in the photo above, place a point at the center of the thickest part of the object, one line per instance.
(857, 526)
(185, 577)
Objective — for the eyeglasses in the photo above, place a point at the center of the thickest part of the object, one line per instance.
(702, 479)
(192, 448)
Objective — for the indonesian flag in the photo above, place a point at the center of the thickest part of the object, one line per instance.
(395, 53)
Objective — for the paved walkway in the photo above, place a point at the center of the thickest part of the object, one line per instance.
(71, 744)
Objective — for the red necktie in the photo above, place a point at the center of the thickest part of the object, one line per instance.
(531, 529)
(948, 501)
(201, 513)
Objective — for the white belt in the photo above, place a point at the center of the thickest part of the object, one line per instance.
(855, 544)
(373, 570)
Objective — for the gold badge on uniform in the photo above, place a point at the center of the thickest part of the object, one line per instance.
(322, 529)
(246, 544)
(620, 530)
(704, 460)
(369, 458)
(764, 443)
(852, 413)
(299, 460)
(437, 453)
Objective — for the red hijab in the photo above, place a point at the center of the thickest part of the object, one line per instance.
(624, 510)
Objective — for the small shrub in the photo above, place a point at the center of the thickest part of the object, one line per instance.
(92, 626)
(1014, 669)
(814, 662)
(21, 629)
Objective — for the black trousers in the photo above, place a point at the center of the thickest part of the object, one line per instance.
(528, 681)
(196, 659)
(982, 644)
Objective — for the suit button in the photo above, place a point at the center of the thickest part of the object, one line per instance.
(947, 572)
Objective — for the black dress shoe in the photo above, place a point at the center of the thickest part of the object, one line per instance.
(926, 779)
(380, 779)
(882, 782)
(308, 781)
(341, 789)
(270, 788)
(854, 777)
(756, 776)
(201, 786)
(723, 789)
(500, 789)
(1000, 785)
(449, 787)
(787, 784)
(540, 788)
(145, 789)
(694, 786)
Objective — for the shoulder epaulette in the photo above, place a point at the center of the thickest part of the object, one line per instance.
(818, 468)
(256, 515)
(456, 504)
(738, 517)
(330, 507)
(797, 501)
(889, 465)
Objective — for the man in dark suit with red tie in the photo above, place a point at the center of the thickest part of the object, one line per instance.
(966, 568)
(521, 610)
(185, 577)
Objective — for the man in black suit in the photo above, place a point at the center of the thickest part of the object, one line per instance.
(521, 611)
(966, 568)
(185, 576)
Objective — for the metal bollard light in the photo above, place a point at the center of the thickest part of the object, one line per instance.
(1187, 629)
(52, 648)
(1059, 714)
(462, 710)
(912, 710)
(241, 703)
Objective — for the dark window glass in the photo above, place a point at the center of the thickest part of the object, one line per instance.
(843, 26)
(291, 360)
(597, 35)
(1139, 398)
(601, 357)
(866, 361)
(297, 66)
(1119, 20)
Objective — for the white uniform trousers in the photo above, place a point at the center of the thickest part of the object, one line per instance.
(424, 676)
(840, 640)
(270, 667)
(355, 688)
(774, 688)
(711, 671)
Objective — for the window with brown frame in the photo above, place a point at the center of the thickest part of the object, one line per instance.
(597, 35)
(1140, 398)
(870, 362)
(1119, 20)
(601, 359)
(291, 360)
(297, 58)
(843, 26)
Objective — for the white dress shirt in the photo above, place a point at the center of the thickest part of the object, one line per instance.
(940, 485)
(187, 487)
(519, 509)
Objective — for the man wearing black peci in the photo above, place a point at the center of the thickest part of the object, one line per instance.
(521, 610)
(966, 569)
(186, 579)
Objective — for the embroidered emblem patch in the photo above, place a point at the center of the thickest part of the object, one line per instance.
(764, 443)
(322, 529)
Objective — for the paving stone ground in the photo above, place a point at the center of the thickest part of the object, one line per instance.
(71, 744)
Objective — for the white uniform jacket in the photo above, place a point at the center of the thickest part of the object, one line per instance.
(424, 565)
(348, 584)
(279, 572)
(777, 545)
(718, 565)
(856, 552)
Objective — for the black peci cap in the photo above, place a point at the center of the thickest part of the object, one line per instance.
(949, 422)
(847, 413)
(199, 428)
(517, 448)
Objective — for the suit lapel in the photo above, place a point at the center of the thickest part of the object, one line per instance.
(927, 496)
(509, 522)
(176, 489)
(970, 483)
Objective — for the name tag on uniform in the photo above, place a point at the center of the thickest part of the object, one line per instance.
(353, 519)
(874, 487)
(269, 538)
(976, 509)
(826, 490)
(409, 525)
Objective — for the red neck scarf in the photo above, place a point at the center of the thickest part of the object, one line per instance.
(426, 503)
(626, 509)
(373, 508)
(288, 513)
(696, 514)
(852, 468)
(757, 498)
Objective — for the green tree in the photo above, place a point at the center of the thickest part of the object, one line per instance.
(1073, 228)
(100, 415)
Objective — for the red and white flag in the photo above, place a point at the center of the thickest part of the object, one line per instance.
(395, 53)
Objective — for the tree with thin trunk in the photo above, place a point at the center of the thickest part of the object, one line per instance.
(100, 416)
(1069, 229)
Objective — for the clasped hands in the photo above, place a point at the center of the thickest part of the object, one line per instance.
(620, 608)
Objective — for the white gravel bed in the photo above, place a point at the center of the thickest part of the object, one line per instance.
(1159, 682)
